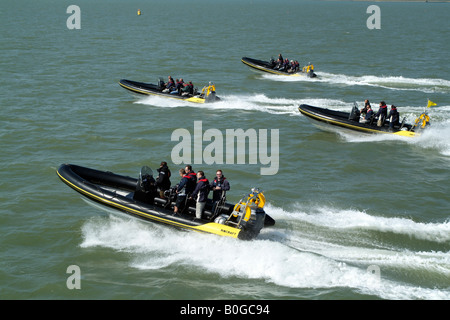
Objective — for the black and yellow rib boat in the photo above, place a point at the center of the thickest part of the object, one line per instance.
(329, 120)
(268, 66)
(139, 198)
(207, 95)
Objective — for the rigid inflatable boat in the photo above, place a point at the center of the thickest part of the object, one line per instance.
(327, 119)
(269, 66)
(139, 198)
(208, 93)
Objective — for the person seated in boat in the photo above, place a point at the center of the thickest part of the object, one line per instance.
(381, 114)
(368, 115)
(285, 66)
(178, 85)
(394, 118)
(279, 63)
(291, 67)
(364, 110)
(145, 189)
(169, 85)
(200, 193)
(188, 89)
(163, 180)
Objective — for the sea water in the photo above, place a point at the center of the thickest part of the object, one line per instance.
(357, 217)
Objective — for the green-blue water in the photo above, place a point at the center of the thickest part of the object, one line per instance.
(344, 204)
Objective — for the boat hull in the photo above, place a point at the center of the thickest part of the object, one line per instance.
(265, 67)
(119, 192)
(149, 89)
(331, 120)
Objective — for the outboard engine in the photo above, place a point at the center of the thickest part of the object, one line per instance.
(210, 94)
(311, 74)
(248, 214)
(254, 225)
(211, 97)
(145, 186)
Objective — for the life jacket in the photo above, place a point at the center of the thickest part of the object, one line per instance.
(190, 183)
(216, 182)
(192, 175)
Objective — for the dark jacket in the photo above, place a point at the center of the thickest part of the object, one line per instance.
(223, 183)
(163, 180)
(189, 88)
(395, 116)
(368, 114)
(192, 175)
(201, 191)
(187, 183)
(382, 112)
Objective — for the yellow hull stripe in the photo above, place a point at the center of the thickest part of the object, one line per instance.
(271, 71)
(193, 99)
(398, 133)
(210, 227)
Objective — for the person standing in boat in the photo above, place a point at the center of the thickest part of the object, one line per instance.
(200, 194)
(191, 182)
(394, 117)
(219, 186)
(191, 173)
(163, 180)
(381, 114)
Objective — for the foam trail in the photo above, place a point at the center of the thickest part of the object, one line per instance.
(351, 220)
(256, 102)
(296, 261)
(436, 137)
(427, 85)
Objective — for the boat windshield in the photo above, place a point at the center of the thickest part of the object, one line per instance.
(146, 171)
